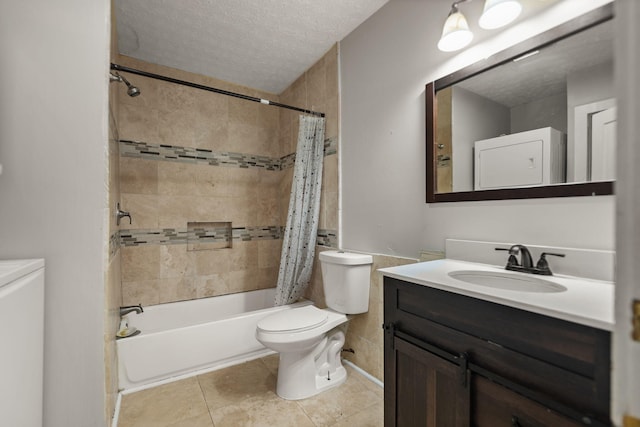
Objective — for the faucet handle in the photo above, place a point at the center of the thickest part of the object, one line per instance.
(512, 261)
(543, 266)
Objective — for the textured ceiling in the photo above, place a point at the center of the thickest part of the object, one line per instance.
(263, 44)
(545, 74)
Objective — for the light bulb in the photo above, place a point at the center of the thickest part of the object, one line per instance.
(498, 13)
(456, 33)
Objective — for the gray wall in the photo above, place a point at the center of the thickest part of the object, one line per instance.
(53, 144)
(385, 64)
(541, 113)
(473, 118)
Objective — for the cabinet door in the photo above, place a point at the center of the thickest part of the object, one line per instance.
(430, 391)
(496, 406)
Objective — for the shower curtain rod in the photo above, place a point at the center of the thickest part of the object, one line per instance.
(211, 89)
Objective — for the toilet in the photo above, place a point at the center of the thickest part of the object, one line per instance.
(310, 339)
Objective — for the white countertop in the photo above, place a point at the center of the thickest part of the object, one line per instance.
(586, 301)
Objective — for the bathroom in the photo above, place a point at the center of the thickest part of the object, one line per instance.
(54, 136)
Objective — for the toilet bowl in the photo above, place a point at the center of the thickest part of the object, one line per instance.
(310, 339)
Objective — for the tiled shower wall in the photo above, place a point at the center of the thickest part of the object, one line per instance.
(209, 158)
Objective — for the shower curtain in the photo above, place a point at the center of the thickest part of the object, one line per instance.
(299, 241)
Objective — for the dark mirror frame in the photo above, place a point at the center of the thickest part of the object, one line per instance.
(567, 29)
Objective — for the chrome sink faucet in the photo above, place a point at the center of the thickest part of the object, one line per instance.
(526, 264)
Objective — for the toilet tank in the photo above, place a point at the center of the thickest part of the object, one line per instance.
(345, 279)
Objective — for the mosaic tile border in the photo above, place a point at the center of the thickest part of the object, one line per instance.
(172, 153)
(114, 244)
(172, 236)
(327, 238)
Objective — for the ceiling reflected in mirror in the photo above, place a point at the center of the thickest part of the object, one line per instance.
(537, 116)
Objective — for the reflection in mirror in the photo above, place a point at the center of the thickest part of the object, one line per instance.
(545, 117)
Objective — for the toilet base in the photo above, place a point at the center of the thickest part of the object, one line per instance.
(305, 374)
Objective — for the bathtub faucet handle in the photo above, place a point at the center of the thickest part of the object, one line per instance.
(121, 214)
(130, 308)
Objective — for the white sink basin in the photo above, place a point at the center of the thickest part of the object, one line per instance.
(507, 281)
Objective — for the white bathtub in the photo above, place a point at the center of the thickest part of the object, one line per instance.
(194, 336)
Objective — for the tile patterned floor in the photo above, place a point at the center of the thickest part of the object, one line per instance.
(244, 396)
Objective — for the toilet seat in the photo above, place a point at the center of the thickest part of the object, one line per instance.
(294, 320)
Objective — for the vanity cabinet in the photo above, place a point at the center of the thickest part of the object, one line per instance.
(453, 360)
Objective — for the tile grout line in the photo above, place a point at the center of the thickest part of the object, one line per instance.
(204, 397)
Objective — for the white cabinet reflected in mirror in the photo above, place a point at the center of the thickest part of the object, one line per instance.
(537, 120)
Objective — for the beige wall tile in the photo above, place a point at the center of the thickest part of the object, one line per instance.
(176, 178)
(331, 210)
(243, 112)
(242, 210)
(173, 97)
(242, 138)
(177, 289)
(269, 253)
(176, 262)
(145, 292)
(211, 134)
(242, 182)
(177, 211)
(140, 263)
(143, 209)
(176, 128)
(210, 262)
(210, 285)
(332, 115)
(211, 181)
(267, 278)
(242, 280)
(138, 124)
(268, 117)
(316, 84)
(243, 255)
(139, 176)
(269, 207)
(368, 356)
(331, 73)
(267, 143)
(330, 173)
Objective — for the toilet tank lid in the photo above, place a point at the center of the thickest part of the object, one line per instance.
(345, 258)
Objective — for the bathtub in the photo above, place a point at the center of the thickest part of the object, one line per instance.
(184, 338)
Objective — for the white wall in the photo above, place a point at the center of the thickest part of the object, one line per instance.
(385, 64)
(53, 141)
(626, 352)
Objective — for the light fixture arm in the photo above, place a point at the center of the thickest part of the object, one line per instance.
(496, 14)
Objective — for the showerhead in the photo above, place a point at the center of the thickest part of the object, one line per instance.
(131, 89)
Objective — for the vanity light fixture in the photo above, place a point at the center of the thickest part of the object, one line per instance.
(456, 33)
(496, 14)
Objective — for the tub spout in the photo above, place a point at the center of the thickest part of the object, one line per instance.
(130, 308)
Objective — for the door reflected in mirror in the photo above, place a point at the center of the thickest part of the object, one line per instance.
(545, 117)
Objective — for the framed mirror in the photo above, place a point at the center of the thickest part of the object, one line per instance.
(536, 120)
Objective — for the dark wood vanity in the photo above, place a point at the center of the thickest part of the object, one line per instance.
(453, 360)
